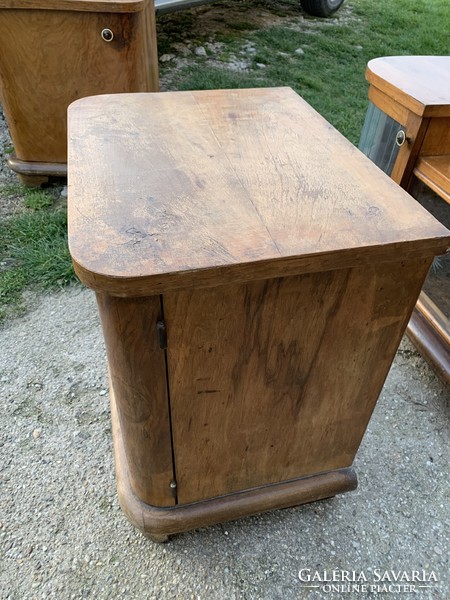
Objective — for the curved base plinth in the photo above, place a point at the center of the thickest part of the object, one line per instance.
(158, 523)
(34, 174)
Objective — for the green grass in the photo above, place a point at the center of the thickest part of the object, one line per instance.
(37, 199)
(33, 248)
(329, 75)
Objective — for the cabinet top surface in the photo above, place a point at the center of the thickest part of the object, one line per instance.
(420, 83)
(119, 6)
(166, 185)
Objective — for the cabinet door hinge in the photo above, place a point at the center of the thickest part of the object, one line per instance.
(162, 334)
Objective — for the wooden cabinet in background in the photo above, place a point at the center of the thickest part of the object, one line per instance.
(53, 52)
(407, 134)
(254, 274)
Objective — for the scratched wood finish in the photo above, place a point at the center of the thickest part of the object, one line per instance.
(419, 83)
(137, 373)
(275, 380)
(52, 57)
(201, 187)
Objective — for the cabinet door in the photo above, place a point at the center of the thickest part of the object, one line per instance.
(52, 57)
(137, 369)
(384, 120)
(274, 380)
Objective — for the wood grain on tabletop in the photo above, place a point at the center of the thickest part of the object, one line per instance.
(420, 83)
(169, 187)
(50, 58)
(137, 372)
(275, 380)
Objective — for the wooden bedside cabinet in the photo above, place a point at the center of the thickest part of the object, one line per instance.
(407, 134)
(55, 51)
(254, 274)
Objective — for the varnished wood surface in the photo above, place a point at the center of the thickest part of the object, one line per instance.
(434, 171)
(50, 58)
(419, 83)
(394, 110)
(275, 380)
(429, 331)
(437, 139)
(117, 6)
(138, 382)
(415, 129)
(415, 91)
(189, 188)
(36, 169)
(158, 523)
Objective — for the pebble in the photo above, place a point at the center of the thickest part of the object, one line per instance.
(37, 433)
(300, 52)
(166, 58)
(103, 392)
(63, 193)
(200, 51)
(261, 65)
(238, 65)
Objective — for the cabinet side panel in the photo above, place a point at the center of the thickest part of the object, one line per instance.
(150, 48)
(138, 377)
(274, 380)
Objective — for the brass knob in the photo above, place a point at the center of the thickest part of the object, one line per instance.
(400, 138)
(107, 35)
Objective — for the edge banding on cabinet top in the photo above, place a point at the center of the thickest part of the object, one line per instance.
(180, 188)
(419, 83)
(114, 6)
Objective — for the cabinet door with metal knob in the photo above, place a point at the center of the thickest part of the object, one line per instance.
(53, 55)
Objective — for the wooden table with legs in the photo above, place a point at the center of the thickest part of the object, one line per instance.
(254, 274)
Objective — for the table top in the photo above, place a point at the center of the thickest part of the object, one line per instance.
(420, 83)
(180, 189)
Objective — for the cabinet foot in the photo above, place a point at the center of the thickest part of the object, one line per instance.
(32, 180)
(158, 538)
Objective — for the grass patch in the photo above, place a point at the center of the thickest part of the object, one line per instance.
(37, 199)
(33, 250)
(329, 73)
